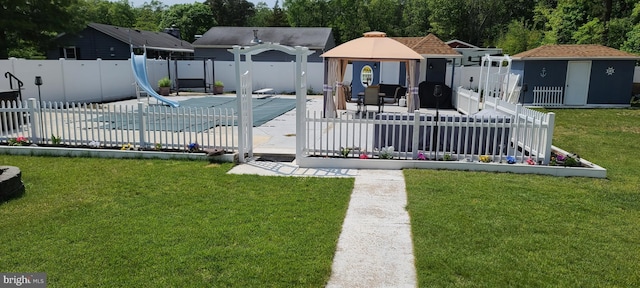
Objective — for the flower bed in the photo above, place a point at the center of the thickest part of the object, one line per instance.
(354, 159)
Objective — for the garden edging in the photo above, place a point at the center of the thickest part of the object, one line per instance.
(108, 153)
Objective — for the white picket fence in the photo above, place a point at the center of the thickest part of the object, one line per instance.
(140, 125)
(548, 96)
(511, 131)
(537, 134)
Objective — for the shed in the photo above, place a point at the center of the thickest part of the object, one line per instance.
(575, 76)
(216, 42)
(109, 42)
(433, 68)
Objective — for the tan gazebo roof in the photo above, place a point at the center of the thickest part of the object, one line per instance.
(429, 45)
(373, 46)
(574, 51)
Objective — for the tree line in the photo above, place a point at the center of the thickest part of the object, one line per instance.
(513, 25)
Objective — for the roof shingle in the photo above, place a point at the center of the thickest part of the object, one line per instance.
(573, 51)
(428, 45)
(311, 37)
(139, 38)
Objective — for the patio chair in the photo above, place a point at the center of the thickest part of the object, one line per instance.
(371, 97)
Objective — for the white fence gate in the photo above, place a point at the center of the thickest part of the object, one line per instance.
(548, 96)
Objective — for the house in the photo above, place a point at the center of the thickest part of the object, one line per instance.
(216, 42)
(575, 75)
(109, 42)
(471, 54)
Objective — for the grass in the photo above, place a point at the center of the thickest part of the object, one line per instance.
(162, 223)
(474, 229)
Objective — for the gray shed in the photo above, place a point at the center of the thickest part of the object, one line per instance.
(575, 76)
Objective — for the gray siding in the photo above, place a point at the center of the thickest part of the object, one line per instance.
(543, 73)
(90, 45)
(611, 89)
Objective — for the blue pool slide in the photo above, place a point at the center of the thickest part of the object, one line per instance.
(139, 66)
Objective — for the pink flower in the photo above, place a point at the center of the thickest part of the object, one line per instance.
(421, 156)
(531, 162)
(364, 156)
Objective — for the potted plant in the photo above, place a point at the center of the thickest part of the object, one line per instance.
(218, 87)
(165, 86)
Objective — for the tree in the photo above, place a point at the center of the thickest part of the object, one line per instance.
(231, 12)
(474, 21)
(34, 23)
(564, 20)
(591, 32)
(192, 19)
(415, 18)
(309, 13)
(518, 38)
(632, 44)
(348, 22)
(118, 13)
(277, 18)
(385, 16)
(261, 16)
(148, 16)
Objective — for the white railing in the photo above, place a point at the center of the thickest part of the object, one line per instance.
(424, 135)
(114, 126)
(467, 101)
(547, 96)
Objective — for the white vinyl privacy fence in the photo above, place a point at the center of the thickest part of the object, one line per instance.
(140, 125)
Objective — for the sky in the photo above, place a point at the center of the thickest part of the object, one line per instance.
(138, 3)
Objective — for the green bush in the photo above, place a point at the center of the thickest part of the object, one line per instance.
(164, 82)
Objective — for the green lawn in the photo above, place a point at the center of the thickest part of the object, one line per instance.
(161, 223)
(508, 230)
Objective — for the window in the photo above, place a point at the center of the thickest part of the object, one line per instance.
(69, 52)
(366, 75)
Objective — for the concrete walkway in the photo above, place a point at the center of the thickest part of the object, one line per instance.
(375, 247)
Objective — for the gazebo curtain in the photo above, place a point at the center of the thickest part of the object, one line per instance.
(335, 76)
(413, 100)
(332, 76)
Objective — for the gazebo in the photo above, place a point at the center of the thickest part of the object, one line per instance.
(373, 46)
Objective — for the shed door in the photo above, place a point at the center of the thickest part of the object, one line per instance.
(577, 85)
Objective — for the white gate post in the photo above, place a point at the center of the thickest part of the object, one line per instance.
(241, 132)
(301, 95)
(248, 105)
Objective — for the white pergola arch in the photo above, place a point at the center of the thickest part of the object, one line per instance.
(245, 90)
